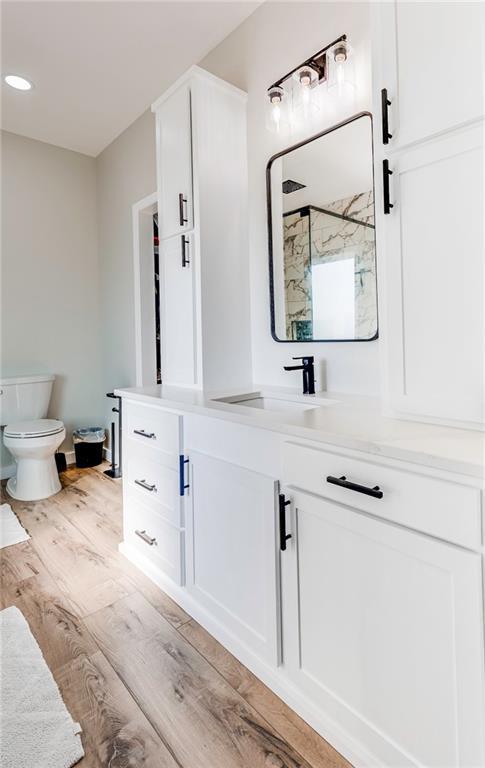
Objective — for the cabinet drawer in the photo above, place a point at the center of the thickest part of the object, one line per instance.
(154, 484)
(154, 428)
(147, 532)
(444, 509)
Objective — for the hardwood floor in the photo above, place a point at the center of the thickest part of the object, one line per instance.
(148, 684)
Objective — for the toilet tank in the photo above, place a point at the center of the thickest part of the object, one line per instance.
(24, 397)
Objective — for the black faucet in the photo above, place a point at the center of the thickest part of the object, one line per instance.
(308, 373)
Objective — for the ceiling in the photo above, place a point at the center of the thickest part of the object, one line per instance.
(335, 166)
(96, 66)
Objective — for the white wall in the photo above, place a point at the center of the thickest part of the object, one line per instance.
(269, 43)
(50, 309)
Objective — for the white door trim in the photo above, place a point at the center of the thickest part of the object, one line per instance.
(148, 205)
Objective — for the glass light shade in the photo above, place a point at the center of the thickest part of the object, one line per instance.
(276, 109)
(341, 75)
(304, 97)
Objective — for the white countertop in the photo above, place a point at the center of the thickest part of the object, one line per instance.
(350, 421)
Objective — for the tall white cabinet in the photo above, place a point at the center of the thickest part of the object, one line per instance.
(202, 208)
(428, 56)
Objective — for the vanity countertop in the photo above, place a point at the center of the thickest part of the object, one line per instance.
(348, 421)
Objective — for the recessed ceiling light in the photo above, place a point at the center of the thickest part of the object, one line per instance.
(20, 83)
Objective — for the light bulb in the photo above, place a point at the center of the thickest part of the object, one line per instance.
(276, 113)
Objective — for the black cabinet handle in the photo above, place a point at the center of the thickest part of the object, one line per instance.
(146, 486)
(185, 258)
(142, 433)
(386, 172)
(375, 492)
(282, 504)
(182, 218)
(385, 104)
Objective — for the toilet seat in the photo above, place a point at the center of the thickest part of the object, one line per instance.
(35, 428)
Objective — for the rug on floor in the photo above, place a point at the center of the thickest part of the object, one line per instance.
(11, 532)
(36, 730)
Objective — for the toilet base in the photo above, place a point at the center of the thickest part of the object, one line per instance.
(35, 479)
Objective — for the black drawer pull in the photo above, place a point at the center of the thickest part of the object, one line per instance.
(142, 433)
(386, 173)
(375, 492)
(385, 104)
(150, 540)
(145, 485)
(282, 504)
(185, 258)
(182, 218)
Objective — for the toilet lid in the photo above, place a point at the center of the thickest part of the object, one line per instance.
(35, 428)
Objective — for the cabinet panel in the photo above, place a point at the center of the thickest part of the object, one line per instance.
(148, 533)
(155, 485)
(383, 630)
(433, 244)
(178, 312)
(152, 431)
(232, 556)
(432, 66)
(441, 508)
(175, 163)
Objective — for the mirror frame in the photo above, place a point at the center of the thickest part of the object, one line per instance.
(270, 232)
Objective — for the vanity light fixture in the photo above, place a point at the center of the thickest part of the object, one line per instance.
(295, 91)
(18, 82)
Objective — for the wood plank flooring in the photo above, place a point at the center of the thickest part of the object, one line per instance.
(150, 687)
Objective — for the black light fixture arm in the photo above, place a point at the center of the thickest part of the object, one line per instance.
(317, 62)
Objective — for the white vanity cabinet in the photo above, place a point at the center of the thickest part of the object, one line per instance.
(232, 555)
(153, 488)
(430, 242)
(174, 163)
(202, 209)
(178, 310)
(368, 619)
(383, 632)
(430, 60)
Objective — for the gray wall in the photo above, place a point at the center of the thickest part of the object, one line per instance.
(126, 172)
(51, 315)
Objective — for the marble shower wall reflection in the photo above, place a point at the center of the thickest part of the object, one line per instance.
(313, 236)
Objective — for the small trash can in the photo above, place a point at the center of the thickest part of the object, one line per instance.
(88, 446)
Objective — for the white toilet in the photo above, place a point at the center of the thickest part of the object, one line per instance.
(30, 437)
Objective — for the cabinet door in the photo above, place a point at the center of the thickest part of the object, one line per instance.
(175, 164)
(383, 630)
(177, 311)
(232, 555)
(431, 63)
(433, 252)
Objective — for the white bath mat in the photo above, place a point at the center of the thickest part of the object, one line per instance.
(11, 532)
(36, 730)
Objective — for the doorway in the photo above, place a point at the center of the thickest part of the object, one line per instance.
(146, 281)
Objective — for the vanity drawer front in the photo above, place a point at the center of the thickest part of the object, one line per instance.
(443, 509)
(146, 531)
(153, 428)
(154, 484)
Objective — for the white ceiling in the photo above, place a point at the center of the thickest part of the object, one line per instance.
(97, 66)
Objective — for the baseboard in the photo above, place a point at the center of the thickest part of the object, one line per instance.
(9, 470)
(354, 751)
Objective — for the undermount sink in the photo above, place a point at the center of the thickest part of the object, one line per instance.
(275, 404)
(279, 403)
